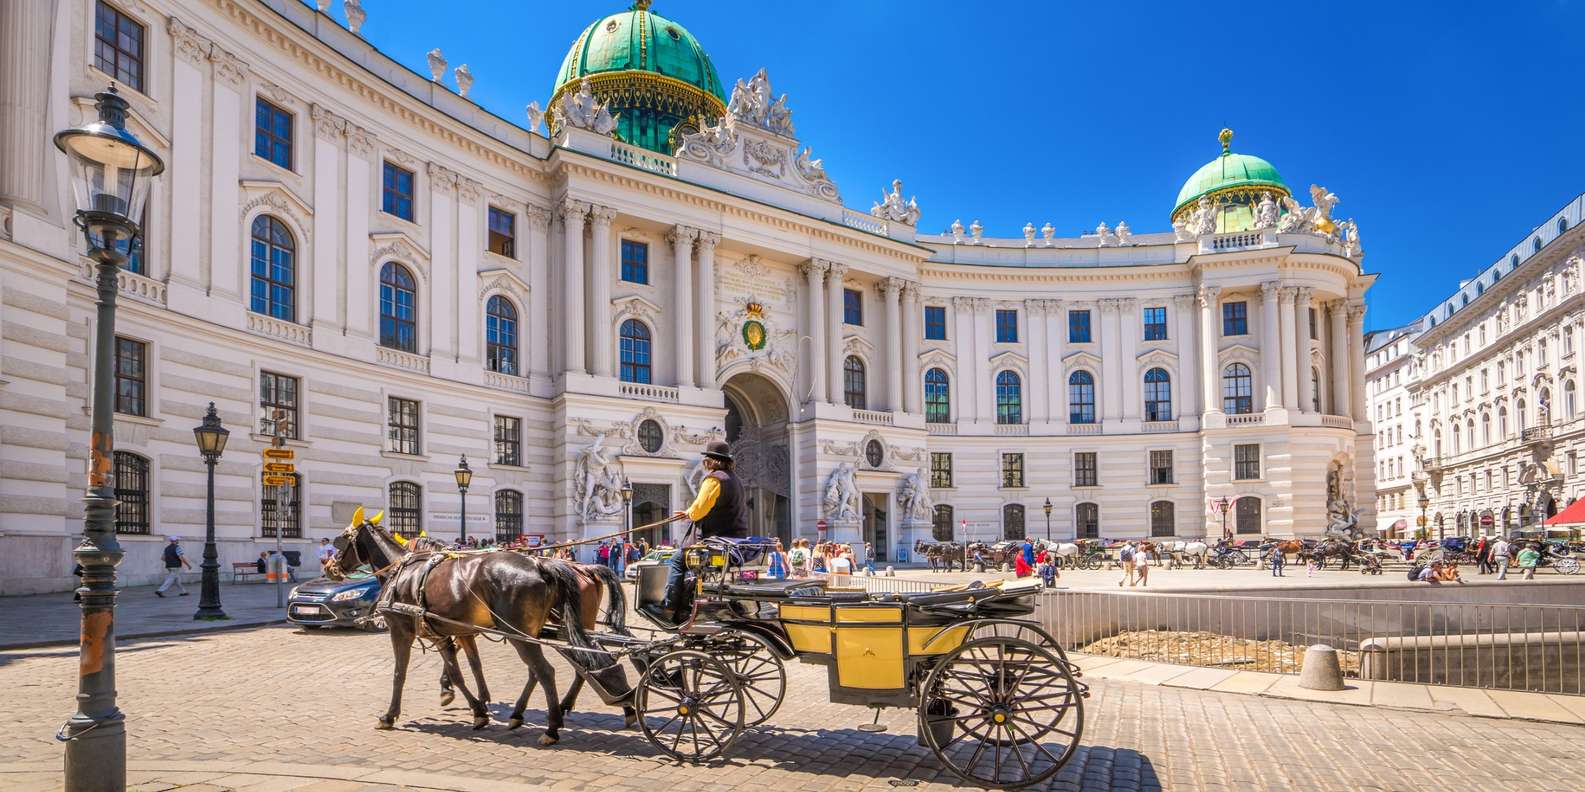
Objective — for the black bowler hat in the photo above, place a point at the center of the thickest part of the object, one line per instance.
(718, 449)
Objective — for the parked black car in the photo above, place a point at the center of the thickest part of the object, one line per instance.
(323, 602)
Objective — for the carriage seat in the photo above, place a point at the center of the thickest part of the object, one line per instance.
(775, 589)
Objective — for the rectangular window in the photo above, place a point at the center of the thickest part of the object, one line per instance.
(1156, 323)
(132, 492)
(852, 307)
(1085, 470)
(1161, 467)
(118, 46)
(403, 426)
(397, 192)
(935, 323)
(1235, 318)
(635, 261)
(940, 469)
(1246, 461)
(503, 233)
(278, 392)
(1312, 325)
(1006, 326)
(1078, 327)
(282, 507)
(131, 376)
(272, 133)
(1012, 470)
(508, 440)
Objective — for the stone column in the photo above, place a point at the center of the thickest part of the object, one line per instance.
(1039, 361)
(602, 344)
(1129, 323)
(361, 305)
(1270, 346)
(814, 272)
(1056, 333)
(892, 293)
(328, 131)
(539, 288)
(572, 213)
(704, 328)
(834, 332)
(1187, 389)
(911, 336)
(27, 155)
(965, 404)
(225, 162)
(1301, 324)
(682, 238)
(1341, 403)
(470, 244)
(1208, 296)
(442, 314)
(1356, 360)
(1111, 395)
(1288, 351)
(185, 170)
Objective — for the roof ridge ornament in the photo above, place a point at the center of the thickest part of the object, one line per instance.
(1226, 136)
(892, 208)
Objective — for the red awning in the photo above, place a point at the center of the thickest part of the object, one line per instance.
(1573, 515)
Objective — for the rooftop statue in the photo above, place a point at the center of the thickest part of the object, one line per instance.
(437, 65)
(751, 102)
(893, 209)
(582, 110)
(1266, 211)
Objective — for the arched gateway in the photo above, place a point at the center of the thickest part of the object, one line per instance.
(756, 426)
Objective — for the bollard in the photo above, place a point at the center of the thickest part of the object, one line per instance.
(1321, 670)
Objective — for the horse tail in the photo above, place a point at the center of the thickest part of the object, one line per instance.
(616, 599)
(563, 579)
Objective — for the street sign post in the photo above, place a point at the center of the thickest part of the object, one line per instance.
(278, 481)
(278, 453)
(279, 467)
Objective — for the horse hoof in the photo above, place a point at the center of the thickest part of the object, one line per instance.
(545, 740)
(446, 697)
(479, 722)
(514, 723)
(385, 724)
(629, 720)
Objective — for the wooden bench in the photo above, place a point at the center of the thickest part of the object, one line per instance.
(242, 569)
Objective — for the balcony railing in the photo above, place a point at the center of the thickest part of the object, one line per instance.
(876, 417)
(506, 382)
(1012, 430)
(1159, 426)
(946, 429)
(131, 284)
(1536, 434)
(281, 329)
(1337, 421)
(400, 359)
(643, 159)
(864, 222)
(639, 390)
(1084, 428)
(1246, 419)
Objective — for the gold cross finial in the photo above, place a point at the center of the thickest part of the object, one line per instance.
(1226, 136)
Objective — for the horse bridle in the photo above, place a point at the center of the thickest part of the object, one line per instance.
(350, 534)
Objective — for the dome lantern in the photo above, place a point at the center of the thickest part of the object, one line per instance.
(1235, 184)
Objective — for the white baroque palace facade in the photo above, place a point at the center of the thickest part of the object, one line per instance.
(409, 279)
(1498, 426)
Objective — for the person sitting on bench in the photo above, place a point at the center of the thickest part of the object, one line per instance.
(718, 510)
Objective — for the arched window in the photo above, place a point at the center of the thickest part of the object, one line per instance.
(1569, 405)
(938, 397)
(1086, 521)
(1246, 511)
(132, 493)
(1158, 395)
(1562, 225)
(404, 505)
(941, 523)
(1315, 388)
(1237, 390)
(1485, 429)
(1502, 423)
(508, 515)
(274, 269)
(1469, 433)
(1009, 398)
(1081, 397)
(1519, 417)
(635, 352)
(1013, 521)
(500, 335)
(1161, 519)
(1535, 245)
(1436, 441)
(398, 308)
(853, 388)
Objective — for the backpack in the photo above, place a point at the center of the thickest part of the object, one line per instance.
(797, 556)
(1126, 554)
(1414, 571)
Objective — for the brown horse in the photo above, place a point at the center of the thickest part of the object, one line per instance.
(1286, 546)
(514, 593)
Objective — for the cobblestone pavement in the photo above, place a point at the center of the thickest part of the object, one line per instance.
(37, 619)
(215, 697)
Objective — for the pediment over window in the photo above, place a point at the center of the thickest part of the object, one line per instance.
(1240, 350)
(1156, 357)
(272, 197)
(504, 280)
(938, 357)
(634, 305)
(1081, 358)
(858, 345)
(1009, 359)
(398, 246)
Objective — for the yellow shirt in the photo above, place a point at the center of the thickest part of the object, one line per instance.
(709, 490)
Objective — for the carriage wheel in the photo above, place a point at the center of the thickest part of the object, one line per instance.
(690, 705)
(759, 671)
(1093, 562)
(1001, 712)
(1566, 566)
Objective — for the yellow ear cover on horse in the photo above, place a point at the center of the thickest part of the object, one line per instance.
(357, 516)
(378, 516)
(399, 539)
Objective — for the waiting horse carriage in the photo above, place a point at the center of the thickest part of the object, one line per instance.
(995, 696)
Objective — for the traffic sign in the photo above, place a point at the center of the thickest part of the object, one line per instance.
(279, 467)
(821, 525)
(279, 453)
(277, 481)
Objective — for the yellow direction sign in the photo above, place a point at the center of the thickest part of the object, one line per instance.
(279, 467)
(277, 481)
(279, 453)
(1420, 521)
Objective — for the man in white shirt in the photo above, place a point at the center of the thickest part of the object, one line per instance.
(326, 551)
(1500, 554)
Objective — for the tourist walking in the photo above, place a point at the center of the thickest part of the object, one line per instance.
(869, 558)
(1500, 553)
(778, 562)
(1125, 556)
(1529, 558)
(1483, 555)
(798, 559)
(175, 561)
(1142, 566)
(1278, 560)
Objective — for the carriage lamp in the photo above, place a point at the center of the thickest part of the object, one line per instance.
(111, 171)
(464, 476)
(211, 438)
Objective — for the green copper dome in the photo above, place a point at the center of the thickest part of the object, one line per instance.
(648, 69)
(1234, 182)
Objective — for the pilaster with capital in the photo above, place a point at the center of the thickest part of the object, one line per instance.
(1342, 403)
(891, 294)
(1054, 333)
(1128, 341)
(681, 238)
(834, 356)
(185, 167)
(328, 268)
(704, 323)
(539, 286)
(572, 213)
(1270, 346)
(1356, 358)
(1289, 348)
(912, 308)
(1305, 374)
(601, 276)
(1184, 324)
(1112, 392)
(1208, 298)
(814, 272)
(445, 275)
(225, 163)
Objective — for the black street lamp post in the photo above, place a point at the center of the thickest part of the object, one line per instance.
(627, 510)
(464, 476)
(1222, 505)
(211, 437)
(110, 175)
(1047, 509)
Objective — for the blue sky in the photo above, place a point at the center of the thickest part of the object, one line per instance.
(1448, 129)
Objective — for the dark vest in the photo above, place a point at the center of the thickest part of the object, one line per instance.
(729, 516)
(172, 560)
